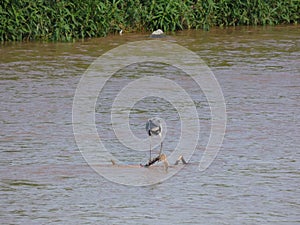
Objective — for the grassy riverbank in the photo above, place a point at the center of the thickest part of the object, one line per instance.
(65, 20)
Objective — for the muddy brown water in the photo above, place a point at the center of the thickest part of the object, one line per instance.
(255, 178)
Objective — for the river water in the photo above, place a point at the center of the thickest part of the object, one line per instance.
(254, 179)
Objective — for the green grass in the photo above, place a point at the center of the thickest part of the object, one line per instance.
(63, 20)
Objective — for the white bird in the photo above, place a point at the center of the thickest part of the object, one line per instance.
(157, 32)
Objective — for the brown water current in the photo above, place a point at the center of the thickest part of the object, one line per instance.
(254, 179)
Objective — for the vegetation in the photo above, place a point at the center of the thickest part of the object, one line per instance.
(65, 20)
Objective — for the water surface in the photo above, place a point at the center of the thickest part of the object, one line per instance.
(255, 178)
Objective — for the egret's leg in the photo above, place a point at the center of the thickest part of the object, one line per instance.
(150, 148)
